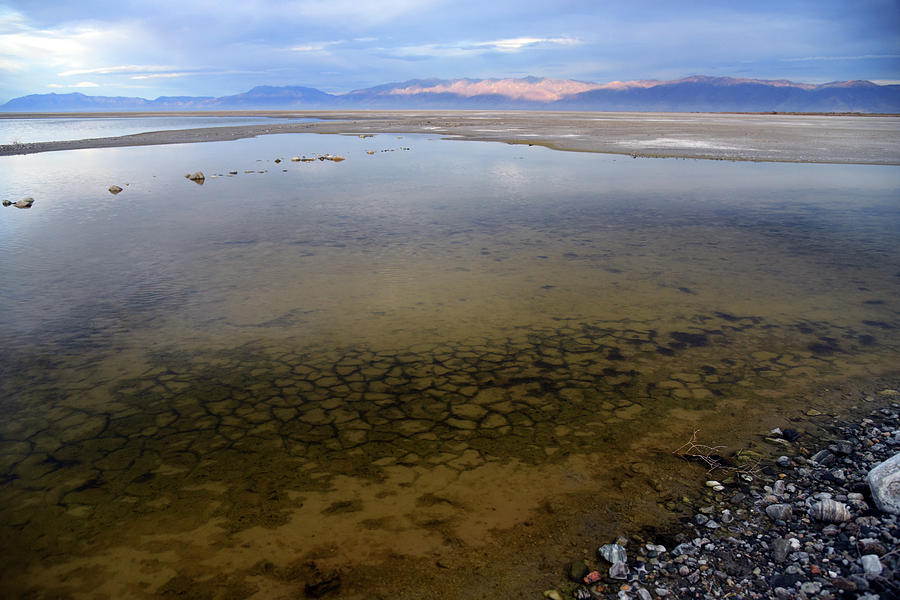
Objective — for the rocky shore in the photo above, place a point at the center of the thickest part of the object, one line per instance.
(804, 527)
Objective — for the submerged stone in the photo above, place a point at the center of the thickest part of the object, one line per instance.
(612, 553)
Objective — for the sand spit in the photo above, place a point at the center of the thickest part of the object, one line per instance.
(755, 137)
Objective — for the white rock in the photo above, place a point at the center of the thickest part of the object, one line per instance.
(871, 564)
(884, 481)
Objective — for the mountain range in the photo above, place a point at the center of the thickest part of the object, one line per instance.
(691, 94)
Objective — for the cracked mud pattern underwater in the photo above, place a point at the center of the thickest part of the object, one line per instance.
(407, 380)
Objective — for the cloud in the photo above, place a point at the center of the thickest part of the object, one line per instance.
(117, 69)
(470, 48)
(516, 44)
(828, 58)
(163, 75)
(81, 84)
(315, 46)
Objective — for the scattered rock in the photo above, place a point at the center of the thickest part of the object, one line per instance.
(553, 595)
(295, 159)
(789, 533)
(277, 160)
(197, 177)
(114, 189)
(24, 202)
(7, 203)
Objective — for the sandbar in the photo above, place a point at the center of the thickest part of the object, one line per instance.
(814, 138)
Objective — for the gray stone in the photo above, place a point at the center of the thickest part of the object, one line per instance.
(872, 566)
(811, 587)
(884, 481)
(779, 512)
(644, 594)
(686, 549)
(24, 202)
(613, 553)
(780, 549)
(822, 457)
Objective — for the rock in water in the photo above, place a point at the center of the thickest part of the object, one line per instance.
(613, 553)
(114, 189)
(295, 159)
(578, 570)
(830, 511)
(553, 595)
(24, 202)
(884, 481)
(197, 177)
(619, 570)
(7, 203)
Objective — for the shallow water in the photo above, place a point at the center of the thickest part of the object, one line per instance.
(28, 130)
(394, 354)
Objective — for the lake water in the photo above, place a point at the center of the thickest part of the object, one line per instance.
(399, 358)
(23, 131)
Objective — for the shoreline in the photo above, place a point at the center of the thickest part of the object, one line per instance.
(530, 561)
(804, 525)
(766, 137)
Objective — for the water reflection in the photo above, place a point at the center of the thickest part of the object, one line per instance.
(349, 361)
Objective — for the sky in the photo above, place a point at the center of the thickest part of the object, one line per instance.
(207, 48)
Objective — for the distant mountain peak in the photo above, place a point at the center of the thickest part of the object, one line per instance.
(533, 89)
(699, 93)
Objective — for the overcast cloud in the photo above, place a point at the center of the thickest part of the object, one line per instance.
(209, 48)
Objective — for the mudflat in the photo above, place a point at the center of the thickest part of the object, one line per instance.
(850, 139)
